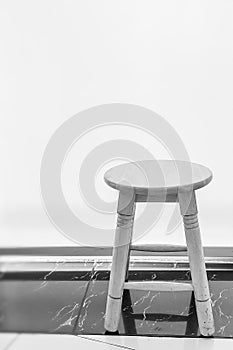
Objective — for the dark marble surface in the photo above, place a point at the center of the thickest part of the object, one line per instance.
(75, 304)
(52, 306)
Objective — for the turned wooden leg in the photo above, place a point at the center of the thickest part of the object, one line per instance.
(123, 235)
(200, 283)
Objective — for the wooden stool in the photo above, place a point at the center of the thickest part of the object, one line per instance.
(158, 181)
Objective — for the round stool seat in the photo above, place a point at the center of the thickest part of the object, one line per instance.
(158, 176)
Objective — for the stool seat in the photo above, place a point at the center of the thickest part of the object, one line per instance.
(158, 176)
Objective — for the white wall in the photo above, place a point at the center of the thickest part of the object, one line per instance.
(60, 57)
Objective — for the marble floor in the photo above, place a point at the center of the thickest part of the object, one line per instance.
(72, 302)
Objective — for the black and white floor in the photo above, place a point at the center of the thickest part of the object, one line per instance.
(62, 291)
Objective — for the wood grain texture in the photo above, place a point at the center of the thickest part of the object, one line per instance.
(205, 317)
(121, 250)
(160, 286)
(197, 263)
(158, 181)
(158, 247)
(158, 177)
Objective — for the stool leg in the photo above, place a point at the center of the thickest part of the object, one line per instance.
(121, 249)
(200, 283)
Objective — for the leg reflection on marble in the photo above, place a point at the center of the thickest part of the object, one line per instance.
(158, 313)
(76, 305)
(143, 313)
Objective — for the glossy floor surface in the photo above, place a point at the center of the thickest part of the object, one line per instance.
(74, 303)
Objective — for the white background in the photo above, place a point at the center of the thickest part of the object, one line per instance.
(60, 57)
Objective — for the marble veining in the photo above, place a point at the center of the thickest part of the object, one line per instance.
(76, 305)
